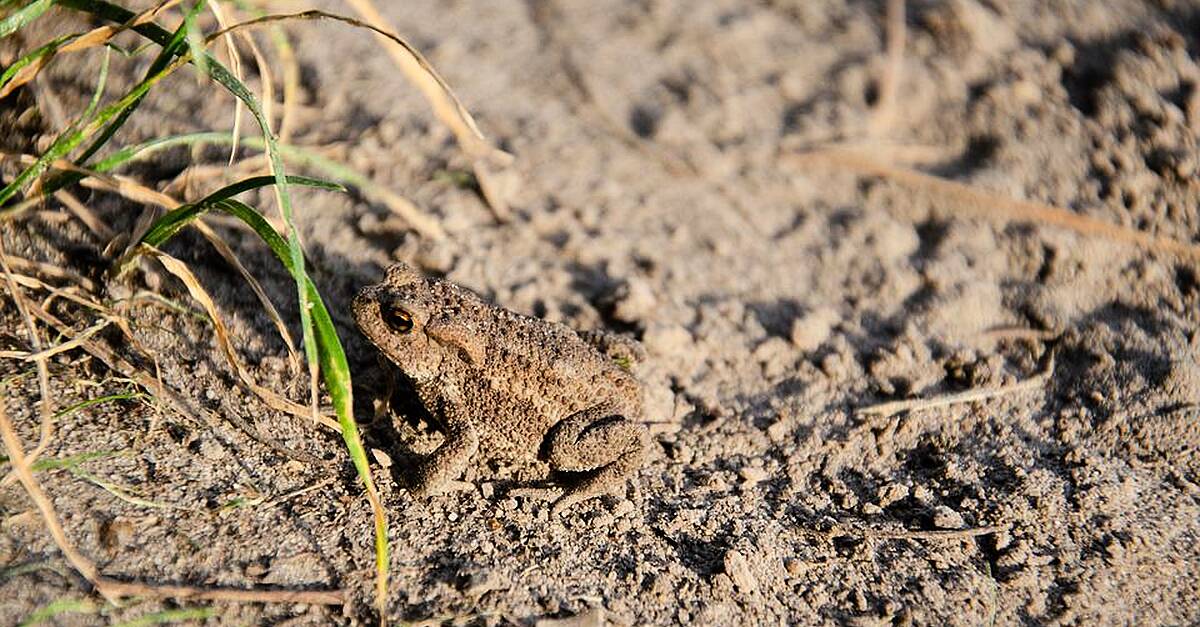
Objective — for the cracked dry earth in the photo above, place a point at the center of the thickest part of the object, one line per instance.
(659, 195)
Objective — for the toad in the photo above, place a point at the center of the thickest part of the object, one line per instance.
(507, 385)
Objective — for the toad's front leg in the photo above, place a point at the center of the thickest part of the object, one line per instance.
(446, 464)
(600, 442)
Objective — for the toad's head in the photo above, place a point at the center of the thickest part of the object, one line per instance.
(422, 324)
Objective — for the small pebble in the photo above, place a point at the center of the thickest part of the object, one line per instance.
(590, 618)
(635, 301)
(738, 569)
(778, 431)
(946, 518)
(753, 475)
(812, 329)
(381, 458)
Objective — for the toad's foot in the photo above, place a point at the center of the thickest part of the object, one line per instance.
(439, 472)
(563, 497)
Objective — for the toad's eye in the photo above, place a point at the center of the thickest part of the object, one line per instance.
(396, 318)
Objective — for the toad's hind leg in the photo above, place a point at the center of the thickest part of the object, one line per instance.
(600, 443)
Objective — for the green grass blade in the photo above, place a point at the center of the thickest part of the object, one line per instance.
(169, 616)
(23, 16)
(294, 154)
(336, 372)
(101, 82)
(123, 396)
(173, 221)
(195, 37)
(72, 461)
(58, 608)
(60, 463)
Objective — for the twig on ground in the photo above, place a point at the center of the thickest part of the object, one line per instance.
(916, 534)
(889, 84)
(916, 404)
(992, 206)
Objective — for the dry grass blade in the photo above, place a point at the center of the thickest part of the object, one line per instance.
(291, 84)
(916, 404)
(992, 206)
(122, 185)
(889, 84)
(50, 270)
(70, 344)
(43, 371)
(227, 254)
(112, 589)
(85, 215)
(446, 106)
(180, 270)
(235, 63)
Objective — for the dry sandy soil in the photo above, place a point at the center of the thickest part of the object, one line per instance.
(658, 192)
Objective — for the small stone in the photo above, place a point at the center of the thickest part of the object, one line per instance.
(667, 340)
(793, 566)
(753, 475)
(871, 509)
(946, 518)
(892, 493)
(812, 329)
(738, 569)
(778, 431)
(381, 458)
(635, 301)
(623, 508)
(590, 618)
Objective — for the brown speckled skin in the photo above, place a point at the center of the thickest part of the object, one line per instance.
(510, 384)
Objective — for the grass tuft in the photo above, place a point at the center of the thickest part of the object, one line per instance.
(95, 130)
